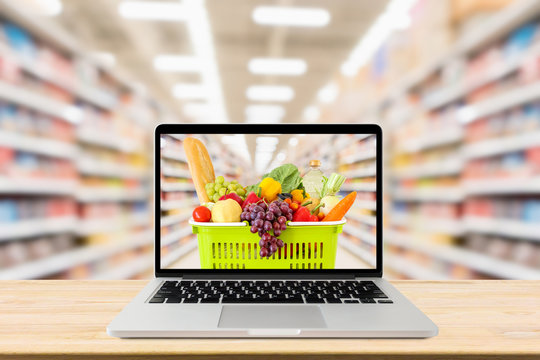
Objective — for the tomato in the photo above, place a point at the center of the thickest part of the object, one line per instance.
(202, 214)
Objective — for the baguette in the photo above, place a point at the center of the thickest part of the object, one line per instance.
(200, 166)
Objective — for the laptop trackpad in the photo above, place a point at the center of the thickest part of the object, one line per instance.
(271, 317)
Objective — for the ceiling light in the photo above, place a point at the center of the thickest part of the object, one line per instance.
(261, 161)
(177, 63)
(189, 91)
(152, 10)
(290, 16)
(312, 113)
(328, 93)
(200, 32)
(264, 113)
(270, 93)
(196, 110)
(293, 141)
(276, 66)
(395, 17)
(267, 143)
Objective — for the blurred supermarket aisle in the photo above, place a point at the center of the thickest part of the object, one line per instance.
(455, 84)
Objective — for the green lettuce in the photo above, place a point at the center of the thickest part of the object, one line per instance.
(287, 175)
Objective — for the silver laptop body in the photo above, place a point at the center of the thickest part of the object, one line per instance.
(395, 317)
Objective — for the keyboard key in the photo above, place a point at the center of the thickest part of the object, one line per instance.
(210, 300)
(385, 302)
(174, 300)
(314, 300)
(351, 301)
(191, 300)
(333, 301)
(157, 300)
(368, 301)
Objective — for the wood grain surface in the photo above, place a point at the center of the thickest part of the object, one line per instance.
(67, 319)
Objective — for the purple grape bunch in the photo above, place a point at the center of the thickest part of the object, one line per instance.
(268, 221)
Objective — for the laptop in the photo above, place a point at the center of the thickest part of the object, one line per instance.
(226, 278)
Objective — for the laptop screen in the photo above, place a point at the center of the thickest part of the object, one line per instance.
(267, 201)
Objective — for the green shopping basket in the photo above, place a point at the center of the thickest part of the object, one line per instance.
(308, 245)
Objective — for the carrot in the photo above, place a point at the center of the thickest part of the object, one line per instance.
(341, 208)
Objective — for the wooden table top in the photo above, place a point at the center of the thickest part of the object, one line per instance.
(67, 319)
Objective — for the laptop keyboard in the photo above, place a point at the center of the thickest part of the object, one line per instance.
(262, 292)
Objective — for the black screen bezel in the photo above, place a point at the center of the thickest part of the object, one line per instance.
(164, 129)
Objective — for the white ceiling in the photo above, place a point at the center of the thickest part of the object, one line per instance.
(237, 39)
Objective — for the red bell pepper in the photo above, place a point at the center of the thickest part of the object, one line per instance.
(252, 198)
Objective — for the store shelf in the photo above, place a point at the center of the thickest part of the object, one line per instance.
(457, 91)
(179, 156)
(108, 140)
(453, 227)
(362, 204)
(111, 169)
(36, 227)
(38, 186)
(370, 187)
(497, 26)
(174, 219)
(360, 234)
(360, 156)
(171, 187)
(37, 145)
(180, 137)
(354, 249)
(82, 91)
(175, 236)
(360, 173)
(366, 219)
(178, 173)
(108, 194)
(432, 139)
(502, 186)
(128, 269)
(411, 269)
(434, 194)
(178, 204)
(69, 259)
(30, 99)
(111, 225)
(176, 254)
(504, 227)
(502, 145)
(436, 169)
(473, 260)
(497, 103)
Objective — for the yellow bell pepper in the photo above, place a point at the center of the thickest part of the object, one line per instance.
(270, 189)
(298, 195)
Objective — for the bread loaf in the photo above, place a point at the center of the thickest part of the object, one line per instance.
(200, 166)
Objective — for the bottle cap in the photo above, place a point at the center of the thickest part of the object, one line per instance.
(314, 163)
